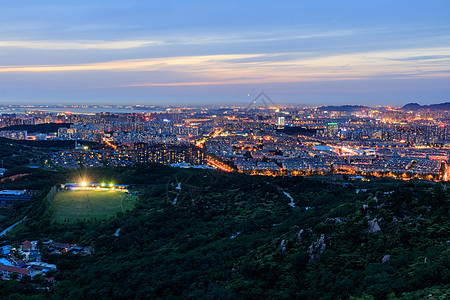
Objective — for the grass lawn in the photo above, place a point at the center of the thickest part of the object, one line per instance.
(86, 204)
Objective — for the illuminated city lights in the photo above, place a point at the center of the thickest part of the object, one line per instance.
(373, 142)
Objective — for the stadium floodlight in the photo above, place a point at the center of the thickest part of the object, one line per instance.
(111, 184)
(83, 183)
(103, 184)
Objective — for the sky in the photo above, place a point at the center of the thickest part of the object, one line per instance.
(323, 52)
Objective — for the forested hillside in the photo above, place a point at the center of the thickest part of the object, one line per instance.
(202, 234)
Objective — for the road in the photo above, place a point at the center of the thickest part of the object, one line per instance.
(12, 226)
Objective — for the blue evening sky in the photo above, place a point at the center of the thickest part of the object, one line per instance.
(225, 52)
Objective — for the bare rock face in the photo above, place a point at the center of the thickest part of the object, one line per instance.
(385, 259)
(373, 226)
(317, 248)
(299, 235)
(283, 246)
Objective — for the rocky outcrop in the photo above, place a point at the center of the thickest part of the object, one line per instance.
(373, 226)
(299, 235)
(317, 248)
(283, 246)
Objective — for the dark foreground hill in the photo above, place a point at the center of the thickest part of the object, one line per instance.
(198, 234)
(39, 128)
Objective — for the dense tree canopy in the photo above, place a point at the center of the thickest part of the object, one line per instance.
(204, 234)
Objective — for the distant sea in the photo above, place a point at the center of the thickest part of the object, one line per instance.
(90, 110)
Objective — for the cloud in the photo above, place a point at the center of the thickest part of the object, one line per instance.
(257, 37)
(424, 57)
(257, 68)
(174, 40)
(78, 45)
(130, 65)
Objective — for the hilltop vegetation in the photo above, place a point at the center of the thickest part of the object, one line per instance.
(202, 234)
(16, 159)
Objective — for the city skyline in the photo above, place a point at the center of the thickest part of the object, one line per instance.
(332, 53)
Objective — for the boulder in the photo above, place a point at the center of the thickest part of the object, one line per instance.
(317, 248)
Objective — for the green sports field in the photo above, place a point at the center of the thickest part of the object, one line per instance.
(70, 206)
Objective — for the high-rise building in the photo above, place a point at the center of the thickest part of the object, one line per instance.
(332, 130)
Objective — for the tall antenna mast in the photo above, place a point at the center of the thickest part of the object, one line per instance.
(265, 99)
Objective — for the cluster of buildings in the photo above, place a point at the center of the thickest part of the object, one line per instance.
(25, 259)
(159, 124)
(9, 197)
(382, 142)
(297, 156)
(17, 261)
(71, 186)
(123, 156)
(378, 141)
